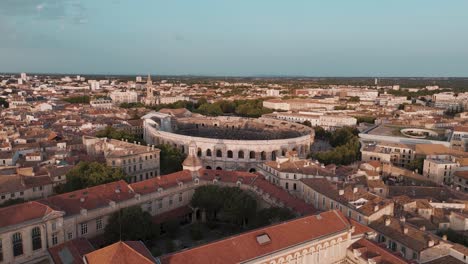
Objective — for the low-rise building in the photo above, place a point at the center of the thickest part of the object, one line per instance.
(288, 171)
(101, 103)
(440, 168)
(389, 153)
(136, 161)
(119, 97)
(411, 242)
(24, 187)
(356, 203)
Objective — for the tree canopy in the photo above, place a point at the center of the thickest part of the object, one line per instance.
(272, 215)
(88, 174)
(131, 223)
(4, 103)
(170, 159)
(346, 148)
(84, 99)
(111, 132)
(245, 108)
(227, 204)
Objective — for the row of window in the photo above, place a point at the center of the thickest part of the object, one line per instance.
(12, 195)
(170, 201)
(84, 227)
(129, 161)
(17, 242)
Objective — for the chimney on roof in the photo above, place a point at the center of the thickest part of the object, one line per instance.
(444, 237)
(405, 230)
(341, 192)
(376, 208)
(422, 228)
(402, 219)
(387, 221)
(430, 243)
(355, 190)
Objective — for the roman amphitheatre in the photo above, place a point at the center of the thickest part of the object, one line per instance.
(226, 142)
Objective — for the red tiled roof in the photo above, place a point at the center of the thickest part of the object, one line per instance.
(27, 211)
(90, 198)
(227, 176)
(280, 194)
(244, 247)
(359, 229)
(165, 181)
(77, 248)
(370, 250)
(127, 252)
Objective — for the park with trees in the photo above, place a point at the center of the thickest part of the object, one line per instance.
(229, 211)
(345, 143)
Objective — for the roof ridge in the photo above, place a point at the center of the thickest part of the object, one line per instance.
(134, 250)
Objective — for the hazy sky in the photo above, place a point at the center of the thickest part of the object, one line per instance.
(236, 37)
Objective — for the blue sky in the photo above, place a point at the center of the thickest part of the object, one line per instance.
(236, 37)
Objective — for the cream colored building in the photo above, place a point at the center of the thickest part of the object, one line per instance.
(136, 161)
(119, 97)
(356, 203)
(386, 152)
(440, 168)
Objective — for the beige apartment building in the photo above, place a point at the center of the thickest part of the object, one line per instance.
(386, 152)
(356, 203)
(136, 161)
(440, 168)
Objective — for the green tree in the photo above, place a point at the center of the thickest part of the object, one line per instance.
(131, 223)
(416, 164)
(131, 105)
(307, 123)
(208, 198)
(171, 159)
(365, 119)
(88, 174)
(321, 133)
(238, 206)
(342, 136)
(4, 103)
(172, 228)
(111, 132)
(210, 109)
(196, 231)
(347, 148)
(340, 107)
(84, 99)
(272, 215)
(228, 204)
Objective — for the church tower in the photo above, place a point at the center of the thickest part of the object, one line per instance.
(149, 100)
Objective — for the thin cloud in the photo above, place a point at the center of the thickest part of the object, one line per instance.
(72, 10)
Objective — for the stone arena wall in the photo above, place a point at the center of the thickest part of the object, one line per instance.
(229, 154)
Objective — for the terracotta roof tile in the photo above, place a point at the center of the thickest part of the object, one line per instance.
(90, 198)
(128, 252)
(23, 212)
(245, 247)
(70, 252)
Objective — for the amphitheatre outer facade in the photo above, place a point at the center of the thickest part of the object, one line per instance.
(229, 143)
